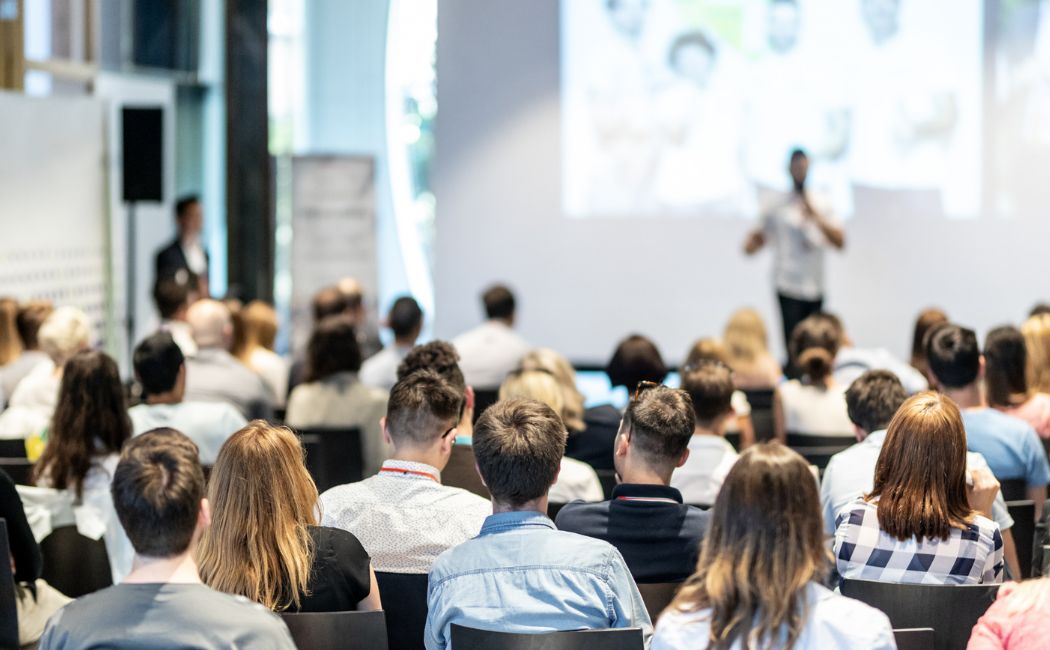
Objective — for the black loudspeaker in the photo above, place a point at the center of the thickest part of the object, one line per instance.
(143, 143)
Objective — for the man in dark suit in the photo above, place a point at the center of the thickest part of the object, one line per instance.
(185, 258)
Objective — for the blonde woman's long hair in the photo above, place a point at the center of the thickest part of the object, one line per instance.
(547, 360)
(538, 385)
(764, 546)
(258, 323)
(263, 503)
(10, 343)
(745, 337)
(1036, 332)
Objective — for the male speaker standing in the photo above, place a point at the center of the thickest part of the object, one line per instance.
(185, 257)
(799, 226)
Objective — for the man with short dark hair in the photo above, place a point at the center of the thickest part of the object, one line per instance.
(160, 369)
(1010, 445)
(173, 299)
(491, 350)
(404, 516)
(658, 536)
(406, 322)
(710, 386)
(521, 574)
(158, 493)
(185, 258)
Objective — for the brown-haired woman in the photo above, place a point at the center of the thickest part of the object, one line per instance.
(925, 520)
(264, 542)
(255, 346)
(1006, 380)
(815, 404)
(758, 581)
(927, 320)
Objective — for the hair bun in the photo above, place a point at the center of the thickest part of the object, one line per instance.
(816, 363)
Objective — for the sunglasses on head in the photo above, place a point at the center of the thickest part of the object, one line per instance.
(644, 386)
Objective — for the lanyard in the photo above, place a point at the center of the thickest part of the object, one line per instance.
(404, 472)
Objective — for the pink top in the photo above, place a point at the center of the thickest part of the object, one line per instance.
(1017, 619)
(1036, 412)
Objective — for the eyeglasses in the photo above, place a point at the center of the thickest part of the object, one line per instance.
(450, 430)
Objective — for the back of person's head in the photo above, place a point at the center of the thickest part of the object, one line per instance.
(763, 547)
(332, 349)
(1005, 365)
(927, 320)
(259, 328)
(184, 203)
(329, 301)
(10, 343)
(538, 385)
(710, 387)
(157, 491)
(660, 422)
(745, 336)
(66, 331)
(439, 356)
(920, 477)
(157, 360)
(635, 360)
(953, 356)
(90, 419)
(550, 361)
(1039, 309)
(814, 344)
(263, 502)
(353, 295)
(170, 296)
(873, 399)
(211, 322)
(704, 350)
(498, 301)
(405, 318)
(422, 407)
(518, 445)
(31, 317)
(1036, 332)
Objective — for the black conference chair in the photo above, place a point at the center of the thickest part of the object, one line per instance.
(333, 456)
(405, 605)
(553, 509)
(808, 440)
(734, 439)
(74, 564)
(1023, 513)
(914, 639)
(19, 469)
(1014, 489)
(657, 596)
(8, 607)
(337, 630)
(484, 398)
(761, 402)
(466, 638)
(951, 610)
(607, 477)
(13, 449)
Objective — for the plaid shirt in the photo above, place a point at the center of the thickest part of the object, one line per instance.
(864, 552)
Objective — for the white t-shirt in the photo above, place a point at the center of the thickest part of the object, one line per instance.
(576, 480)
(700, 479)
(380, 369)
(798, 245)
(274, 371)
(488, 352)
(815, 410)
(208, 424)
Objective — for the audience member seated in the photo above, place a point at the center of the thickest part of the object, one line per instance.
(928, 319)
(10, 342)
(87, 432)
(710, 349)
(759, 582)
(851, 362)
(872, 400)
(635, 360)
(367, 330)
(521, 574)
(1006, 381)
(255, 349)
(333, 396)
(173, 299)
(1010, 445)
(441, 357)
(747, 345)
(158, 491)
(710, 387)
(403, 515)
(1036, 332)
(924, 520)
(35, 600)
(215, 375)
(491, 350)
(264, 542)
(327, 302)
(65, 332)
(161, 372)
(28, 320)
(645, 520)
(815, 405)
(1016, 620)
(575, 480)
(406, 322)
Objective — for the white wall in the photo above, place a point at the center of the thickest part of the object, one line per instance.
(584, 284)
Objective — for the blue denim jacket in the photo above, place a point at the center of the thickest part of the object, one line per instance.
(521, 574)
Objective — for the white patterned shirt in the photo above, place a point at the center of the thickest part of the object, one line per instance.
(404, 516)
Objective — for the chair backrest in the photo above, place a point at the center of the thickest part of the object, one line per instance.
(19, 469)
(405, 604)
(13, 448)
(733, 438)
(951, 610)
(484, 398)
(1014, 489)
(338, 630)
(466, 638)
(460, 471)
(1023, 531)
(553, 509)
(808, 440)
(607, 477)
(657, 596)
(762, 421)
(74, 564)
(8, 608)
(919, 638)
(333, 456)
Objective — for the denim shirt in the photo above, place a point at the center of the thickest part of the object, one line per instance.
(521, 574)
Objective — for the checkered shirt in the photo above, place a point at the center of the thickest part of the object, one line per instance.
(864, 552)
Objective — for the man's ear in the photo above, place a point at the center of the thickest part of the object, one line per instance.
(685, 457)
(468, 397)
(980, 368)
(386, 432)
(859, 433)
(932, 380)
(623, 443)
(204, 515)
(447, 442)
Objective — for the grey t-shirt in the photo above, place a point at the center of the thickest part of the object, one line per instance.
(160, 616)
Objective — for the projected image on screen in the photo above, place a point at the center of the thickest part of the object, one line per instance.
(691, 107)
